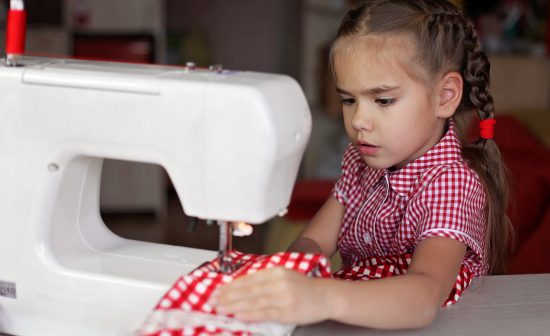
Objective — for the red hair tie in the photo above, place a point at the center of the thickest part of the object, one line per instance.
(487, 128)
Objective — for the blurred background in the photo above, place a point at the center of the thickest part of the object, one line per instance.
(293, 37)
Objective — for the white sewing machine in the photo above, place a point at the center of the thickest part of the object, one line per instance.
(231, 143)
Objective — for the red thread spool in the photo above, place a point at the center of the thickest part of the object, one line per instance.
(15, 34)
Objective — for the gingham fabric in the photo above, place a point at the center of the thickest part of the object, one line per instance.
(388, 266)
(389, 212)
(187, 307)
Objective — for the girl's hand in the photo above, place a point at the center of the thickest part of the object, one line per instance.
(276, 294)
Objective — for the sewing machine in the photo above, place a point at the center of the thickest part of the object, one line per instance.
(230, 141)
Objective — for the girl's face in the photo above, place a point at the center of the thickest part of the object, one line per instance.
(390, 114)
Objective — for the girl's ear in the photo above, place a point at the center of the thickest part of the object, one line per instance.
(450, 94)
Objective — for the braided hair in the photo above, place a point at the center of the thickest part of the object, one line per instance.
(447, 41)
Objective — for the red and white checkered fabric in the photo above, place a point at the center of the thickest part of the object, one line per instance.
(187, 307)
(384, 267)
(390, 212)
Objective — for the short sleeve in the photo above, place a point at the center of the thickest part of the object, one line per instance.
(351, 165)
(452, 205)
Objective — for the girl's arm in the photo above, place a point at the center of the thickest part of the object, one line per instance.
(408, 301)
(321, 233)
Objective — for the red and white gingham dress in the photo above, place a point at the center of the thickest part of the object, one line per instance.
(388, 213)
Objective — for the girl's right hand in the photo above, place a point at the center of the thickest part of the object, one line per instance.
(276, 294)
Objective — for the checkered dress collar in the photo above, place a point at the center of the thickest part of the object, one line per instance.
(445, 152)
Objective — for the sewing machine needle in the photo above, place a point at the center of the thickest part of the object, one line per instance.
(224, 253)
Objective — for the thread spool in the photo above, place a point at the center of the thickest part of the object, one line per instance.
(15, 32)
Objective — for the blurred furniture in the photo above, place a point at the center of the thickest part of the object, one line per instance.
(528, 161)
(521, 89)
(119, 18)
(520, 86)
(138, 48)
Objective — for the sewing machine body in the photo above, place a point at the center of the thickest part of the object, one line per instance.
(231, 143)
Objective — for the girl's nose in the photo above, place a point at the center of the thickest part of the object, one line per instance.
(362, 120)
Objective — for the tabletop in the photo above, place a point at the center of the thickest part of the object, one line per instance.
(492, 305)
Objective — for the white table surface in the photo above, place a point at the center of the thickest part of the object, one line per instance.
(515, 305)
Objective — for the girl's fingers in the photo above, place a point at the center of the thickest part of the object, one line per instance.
(250, 285)
(263, 300)
(230, 297)
(269, 274)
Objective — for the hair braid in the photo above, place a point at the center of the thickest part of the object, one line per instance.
(456, 48)
(484, 156)
(476, 74)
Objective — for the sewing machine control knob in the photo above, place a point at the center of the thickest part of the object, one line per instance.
(218, 68)
(190, 66)
(53, 167)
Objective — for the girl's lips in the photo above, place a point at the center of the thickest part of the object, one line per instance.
(367, 149)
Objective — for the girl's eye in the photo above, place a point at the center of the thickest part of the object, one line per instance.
(384, 102)
(347, 101)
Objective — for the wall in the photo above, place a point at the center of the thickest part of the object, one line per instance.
(245, 34)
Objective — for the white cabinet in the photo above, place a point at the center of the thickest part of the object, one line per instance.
(119, 17)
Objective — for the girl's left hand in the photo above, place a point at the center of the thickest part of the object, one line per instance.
(276, 294)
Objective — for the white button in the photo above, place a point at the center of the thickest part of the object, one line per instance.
(367, 238)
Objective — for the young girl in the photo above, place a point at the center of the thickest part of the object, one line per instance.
(415, 196)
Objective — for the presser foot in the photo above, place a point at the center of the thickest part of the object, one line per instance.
(227, 231)
(227, 266)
